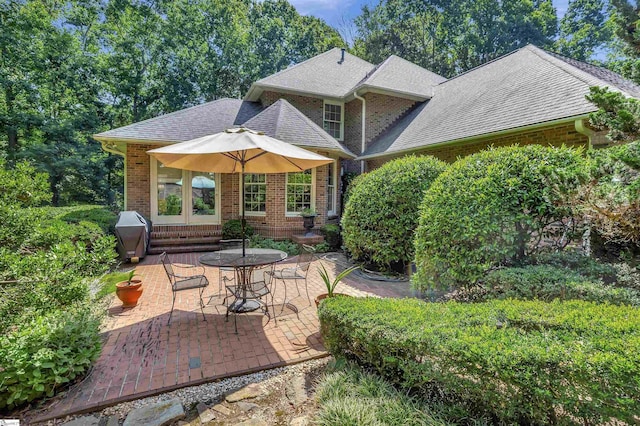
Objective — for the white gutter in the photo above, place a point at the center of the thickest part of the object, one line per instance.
(364, 126)
(477, 138)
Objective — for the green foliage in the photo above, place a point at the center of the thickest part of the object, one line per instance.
(451, 37)
(494, 208)
(331, 234)
(544, 282)
(232, 230)
(611, 198)
(108, 283)
(286, 246)
(382, 211)
(585, 28)
(47, 353)
(577, 262)
(330, 284)
(23, 186)
(521, 362)
(323, 247)
(350, 396)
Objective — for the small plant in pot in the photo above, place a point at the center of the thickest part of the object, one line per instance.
(308, 220)
(129, 291)
(331, 284)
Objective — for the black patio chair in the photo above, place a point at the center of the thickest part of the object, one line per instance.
(180, 282)
(297, 273)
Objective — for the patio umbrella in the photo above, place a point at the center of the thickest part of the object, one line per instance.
(239, 150)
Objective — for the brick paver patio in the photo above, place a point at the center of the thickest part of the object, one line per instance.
(142, 355)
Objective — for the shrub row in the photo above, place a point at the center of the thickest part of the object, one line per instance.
(49, 335)
(545, 282)
(526, 362)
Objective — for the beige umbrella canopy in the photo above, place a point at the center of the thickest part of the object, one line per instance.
(238, 150)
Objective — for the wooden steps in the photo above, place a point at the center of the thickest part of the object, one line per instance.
(183, 239)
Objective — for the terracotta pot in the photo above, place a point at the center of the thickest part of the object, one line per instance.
(129, 294)
(319, 298)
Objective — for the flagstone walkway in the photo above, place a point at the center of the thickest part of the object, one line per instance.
(142, 355)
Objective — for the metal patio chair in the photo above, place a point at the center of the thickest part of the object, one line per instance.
(297, 273)
(180, 282)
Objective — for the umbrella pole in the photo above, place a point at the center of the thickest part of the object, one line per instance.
(244, 237)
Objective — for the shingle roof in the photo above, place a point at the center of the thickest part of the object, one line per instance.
(399, 75)
(283, 121)
(324, 75)
(190, 123)
(526, 87)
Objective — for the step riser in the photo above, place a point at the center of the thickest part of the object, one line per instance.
(183, 241)
(183, 249)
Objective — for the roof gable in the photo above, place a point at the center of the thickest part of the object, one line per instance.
(401, 76)
(186, 124)
(324, 75)
(526, 87)
(283, 121)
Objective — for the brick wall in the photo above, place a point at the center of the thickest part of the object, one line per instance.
(274, 225)
(138, 178)
(555, 136)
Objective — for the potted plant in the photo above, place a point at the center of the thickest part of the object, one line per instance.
(129, 291)
(331, 284)
(308, 219)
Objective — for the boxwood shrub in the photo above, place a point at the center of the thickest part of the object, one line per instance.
(493, 208)
(381, 213)
(524, 362)
(546, 282)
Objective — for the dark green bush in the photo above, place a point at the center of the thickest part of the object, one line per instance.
(286, 246)
(381, 213)
(546, 282)
(232, 230)
(494, 208)
(22, 186)
(522, 362)
(576, 261)
(47, 353)
(331, 234)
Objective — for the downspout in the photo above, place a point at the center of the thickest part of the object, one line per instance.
(364, 139)
(114, 149)
(584, 130)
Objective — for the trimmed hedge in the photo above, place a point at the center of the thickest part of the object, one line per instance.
(545, 282)
(491, 209)
(381, 213)
(526, 362)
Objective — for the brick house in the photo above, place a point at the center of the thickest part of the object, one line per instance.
(361, 115)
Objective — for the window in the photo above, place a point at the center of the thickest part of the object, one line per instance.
(331, 189)
(333, 119)
(299, 191)
(255, 194)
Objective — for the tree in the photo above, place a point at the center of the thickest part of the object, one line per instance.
(452, 37)
(584, 29)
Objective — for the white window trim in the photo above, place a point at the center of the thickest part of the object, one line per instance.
(313, 193)
(334, 212)
(248, 213)
(341, 105)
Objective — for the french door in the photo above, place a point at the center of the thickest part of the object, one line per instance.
(184, 197)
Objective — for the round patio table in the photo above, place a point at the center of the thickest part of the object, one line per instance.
(244, 266)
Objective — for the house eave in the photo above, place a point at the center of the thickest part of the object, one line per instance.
(365, 88)
(459, 141)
